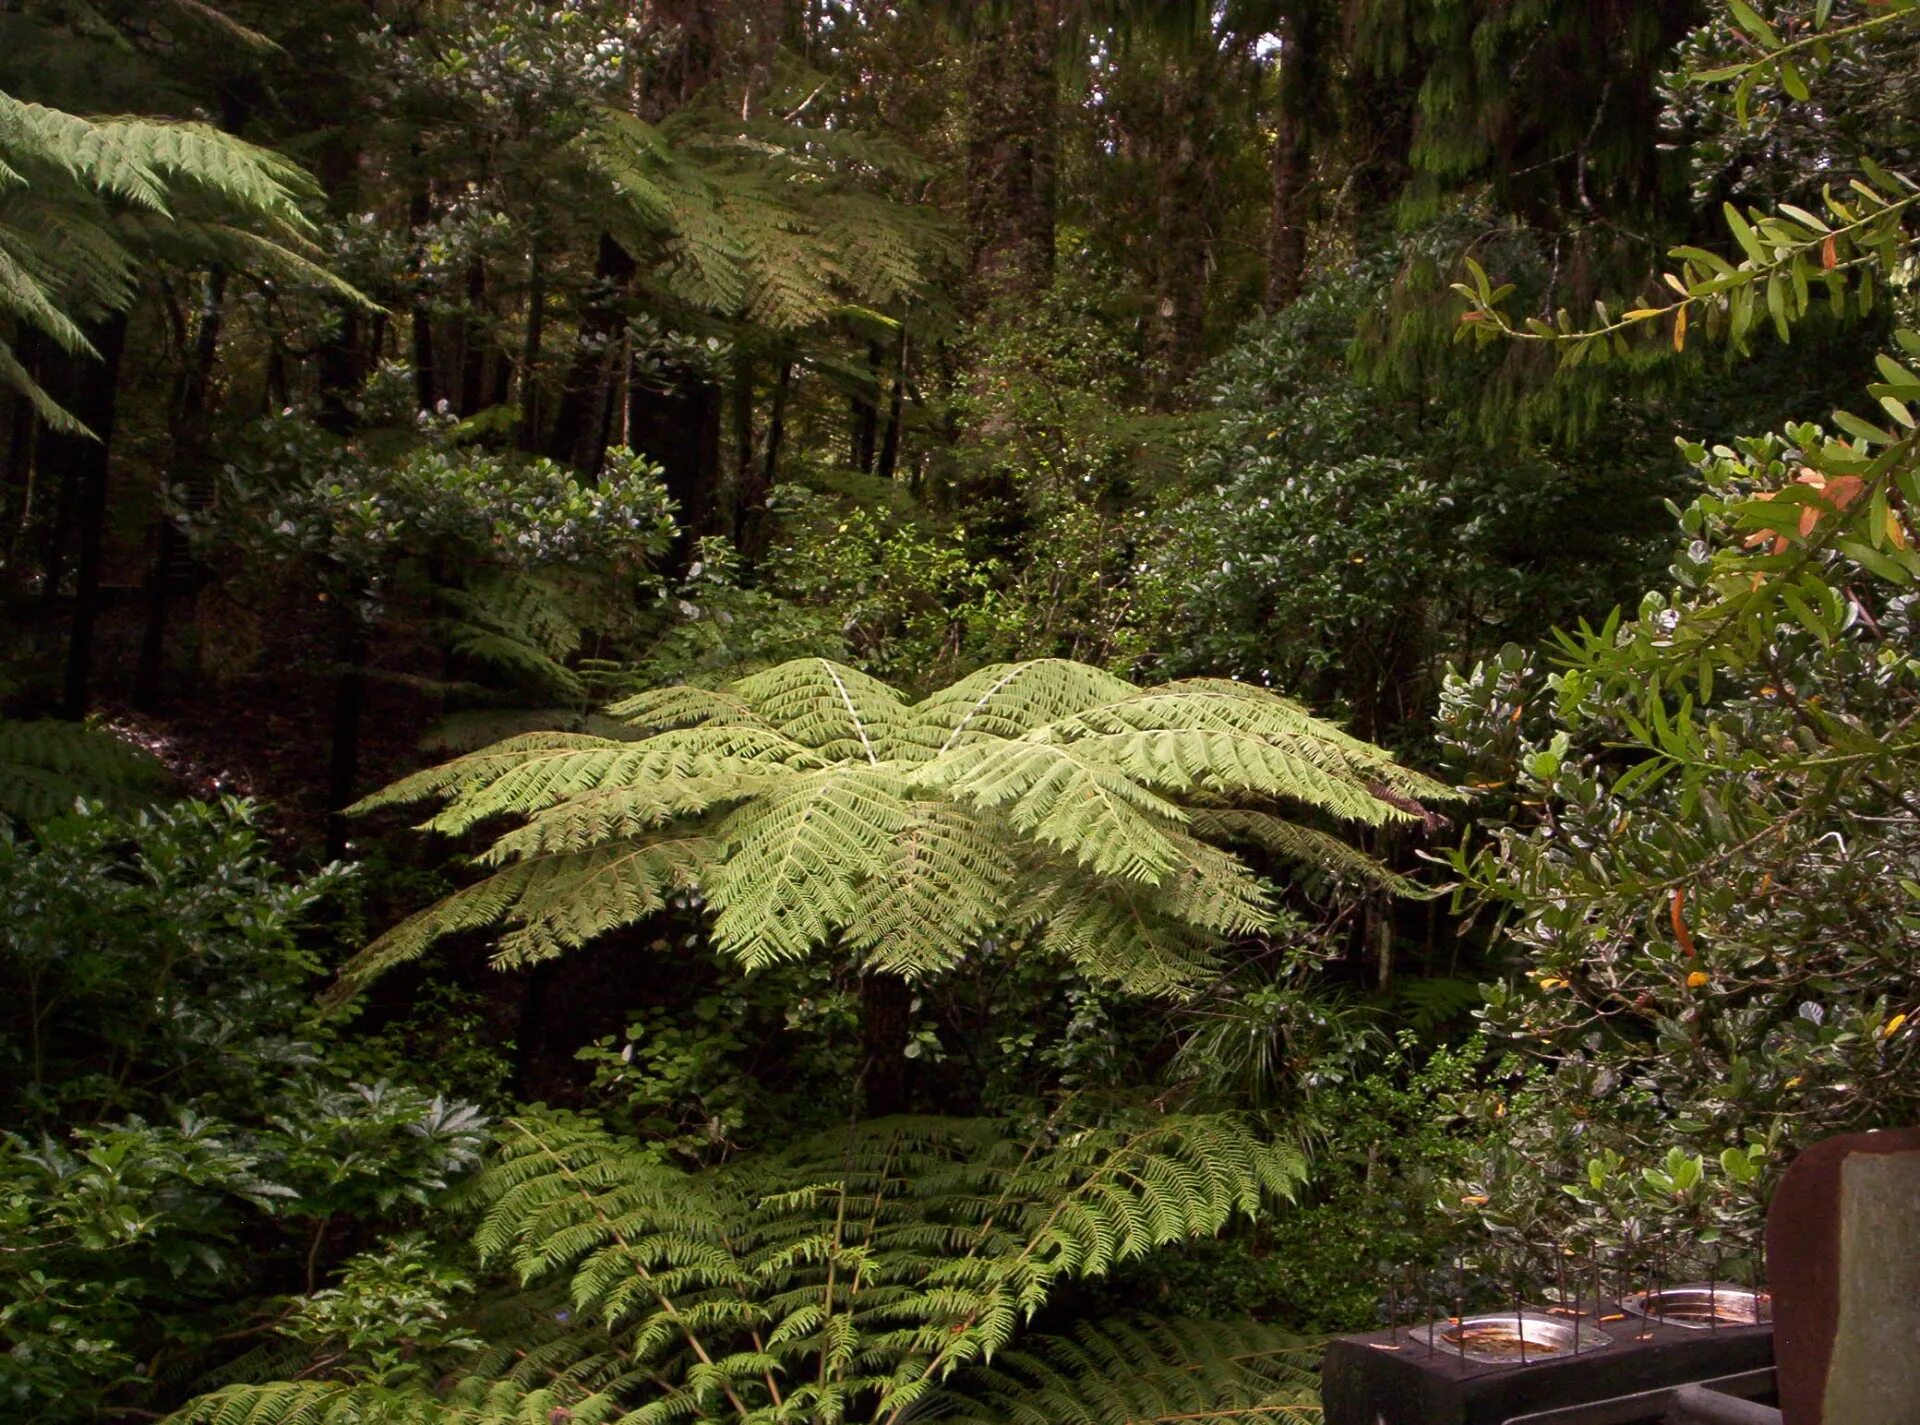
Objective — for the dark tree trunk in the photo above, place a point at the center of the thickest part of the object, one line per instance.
(426, 385)
(530, 347)
(743, 477)
(476, 345)
(865, 433)
(1291, 159)
(889, 460)
(886, 1028)
(586, 397)
(191, 411)
(23, 488)
(89, 393)
(349, 705)
(678, 426)
(752, 531)
(1012, 152)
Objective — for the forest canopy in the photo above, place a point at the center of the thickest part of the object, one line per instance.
(820, 711)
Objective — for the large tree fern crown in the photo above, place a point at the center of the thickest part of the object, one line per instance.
(812, 804)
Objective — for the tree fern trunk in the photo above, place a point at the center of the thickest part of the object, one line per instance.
(93, 400)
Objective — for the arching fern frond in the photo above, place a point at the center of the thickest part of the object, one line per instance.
(1147, 1372)
(85, 201)
(1045, 799)
(46, 766)
(864, 1275)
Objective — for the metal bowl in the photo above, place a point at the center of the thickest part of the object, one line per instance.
(1499, 1339)
(1701, 1306)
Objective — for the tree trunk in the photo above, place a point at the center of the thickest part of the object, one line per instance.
(677, 425)
(530, 347)
(192, 397)
(426, 386)
(586, 396)
(889, 460)
(864, 435)
(752, 530)
(742, 438)
(476, 344)
(349, 704)
(89, 393)
(1292, 155)
(1012, 152)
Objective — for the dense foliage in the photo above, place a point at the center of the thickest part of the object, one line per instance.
(1098, 684)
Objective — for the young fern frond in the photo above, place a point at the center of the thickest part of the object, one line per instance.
(1047, 799)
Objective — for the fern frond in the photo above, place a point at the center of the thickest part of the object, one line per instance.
(1147, 1372)
(553, 901)
(1305, 844)
(838, 711)
(797, 856)
(947, 881)
(1009, 700)
(45, 767)
(1044, 796)
(1064, 796)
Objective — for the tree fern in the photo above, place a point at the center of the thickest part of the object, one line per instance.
(812, 806)
(84, 201)
(868, 1275)
(45, 767)
(761, 221)
(1148, 1372)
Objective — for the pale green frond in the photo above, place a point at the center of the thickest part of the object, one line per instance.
(1011, 699)
(615, 813)
(50, 411)
(947, 881)
(838, 711)
(528, 774)
(797, 856)
(578, 896)
(684, 705)
(479, 769)
(1242, 707)
(1119, 934)
(1066, 797)
(555, 901)
(1231, 763)
(1302, 843)
(105, 157)
(26, 296)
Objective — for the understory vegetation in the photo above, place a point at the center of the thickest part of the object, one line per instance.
(811, 711)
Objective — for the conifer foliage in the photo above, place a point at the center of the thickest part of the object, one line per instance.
(812, 805)
(873, 1274)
